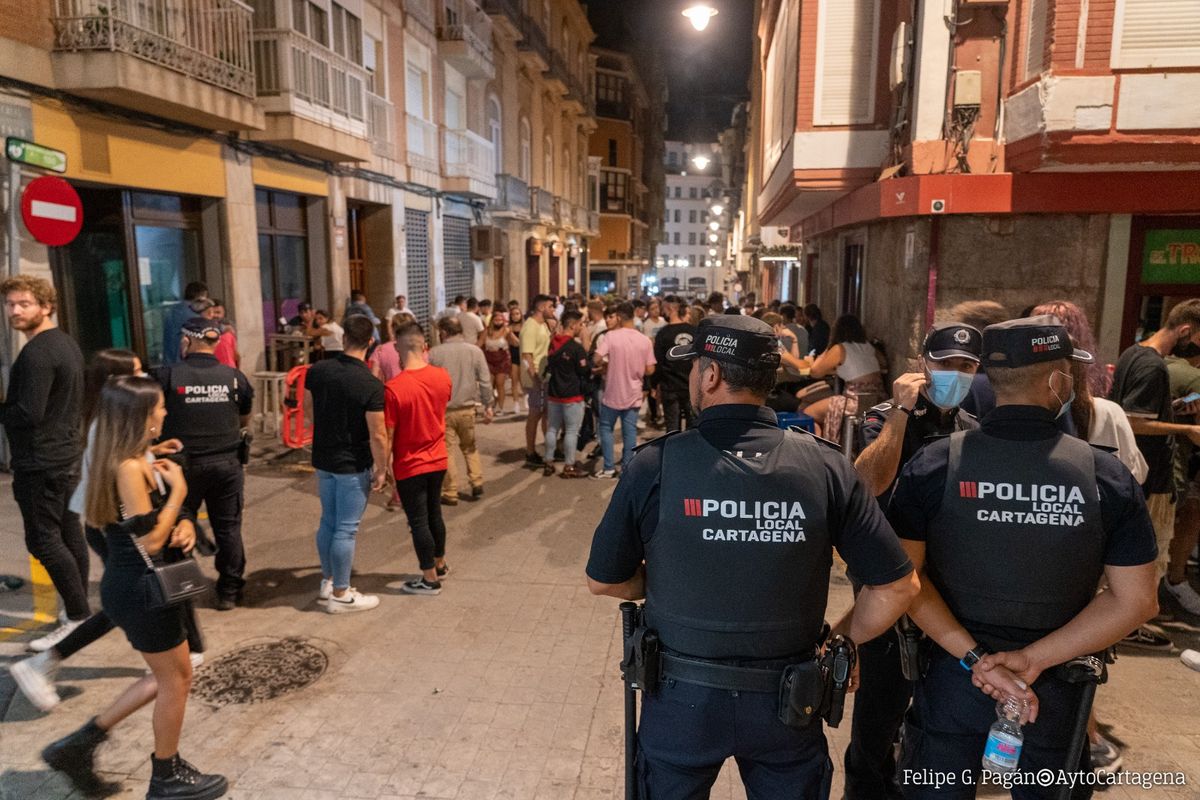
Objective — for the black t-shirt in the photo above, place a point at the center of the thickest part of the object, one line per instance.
(672, 376)
(818, 337)
(857, 526)
(43, 409)
(926, 424)
(1142, 386)
(343, 391)
(568, 370)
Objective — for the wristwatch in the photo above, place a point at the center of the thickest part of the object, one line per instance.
(973, 657)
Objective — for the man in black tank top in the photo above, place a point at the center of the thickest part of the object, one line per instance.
(727, 531)
(1013, 525)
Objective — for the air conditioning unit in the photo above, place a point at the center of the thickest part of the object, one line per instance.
(485, 242)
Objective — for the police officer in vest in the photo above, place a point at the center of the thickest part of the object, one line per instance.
(923, 408)
(208, 408)
(1013, 526)
(727, 531)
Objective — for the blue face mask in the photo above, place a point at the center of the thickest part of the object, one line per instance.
(948, 387)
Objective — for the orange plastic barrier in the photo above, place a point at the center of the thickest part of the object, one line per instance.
(297, 430)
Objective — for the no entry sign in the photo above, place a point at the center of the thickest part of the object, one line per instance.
(52, 211)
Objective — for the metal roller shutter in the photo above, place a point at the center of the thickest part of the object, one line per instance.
(416, 240)
(456, 248)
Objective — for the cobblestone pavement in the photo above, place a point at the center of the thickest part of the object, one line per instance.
(504, 686)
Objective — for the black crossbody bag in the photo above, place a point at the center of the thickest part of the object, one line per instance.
(169, 583)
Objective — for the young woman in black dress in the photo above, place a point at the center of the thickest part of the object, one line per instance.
(136, 502)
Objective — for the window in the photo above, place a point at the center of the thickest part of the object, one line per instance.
(347, 34)
(779, 92)
(526, 152)
(1141, 38)
(672, 159)
(372, 58)
(612, 191)
(495, 131)
(847, 49)
(1036, 19)
(310, 20)
(692, 215)
(692, 238)
(678, 191)
(693, 192)
(415, 82)
(678, 214)
(612, 152)
(676, 237)
(456, 100)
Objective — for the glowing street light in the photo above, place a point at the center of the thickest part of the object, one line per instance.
(702, 162)
(714, 225)
(717, 210)
(712, 237)
(712, 251)
(699, 15)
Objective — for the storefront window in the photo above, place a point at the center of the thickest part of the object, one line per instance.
(168, 259)
(282, 256)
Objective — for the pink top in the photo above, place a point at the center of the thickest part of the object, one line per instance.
(388, 360)
(629, 353)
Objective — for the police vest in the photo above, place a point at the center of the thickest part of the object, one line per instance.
(1018, 541)
(738, 566)
(202, 398)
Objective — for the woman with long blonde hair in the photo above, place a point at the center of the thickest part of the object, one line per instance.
(137, 504)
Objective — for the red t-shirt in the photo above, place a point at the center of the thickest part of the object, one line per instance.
(415, 407)
(226, 349)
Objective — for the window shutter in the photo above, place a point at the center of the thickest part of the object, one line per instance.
(1035, 39)
(1156, 33)
(847, 56)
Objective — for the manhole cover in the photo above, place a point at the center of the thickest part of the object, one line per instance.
(260, 672)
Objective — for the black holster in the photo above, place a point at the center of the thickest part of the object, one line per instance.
(801, 694)
(837, 666)
(642, 665)
(914, 648)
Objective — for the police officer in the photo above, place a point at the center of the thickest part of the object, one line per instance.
(727, 531)
(924, 407)
(1013, 525)
(208, 407)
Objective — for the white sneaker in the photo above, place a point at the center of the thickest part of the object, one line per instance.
(352, 600)
(197, 659)
(35, 678)
(1185, 594)
(1190, 659)
(54, 637)
(604, 474)
(326, 590)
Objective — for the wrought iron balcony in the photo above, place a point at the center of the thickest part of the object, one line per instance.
(208, 40)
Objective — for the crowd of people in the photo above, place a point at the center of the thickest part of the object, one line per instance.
(393, 403)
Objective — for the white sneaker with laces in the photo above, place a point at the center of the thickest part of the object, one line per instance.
(35, 678)
(1190, 659)
(326, 590)
(351, 601)
(54, 637)
(1186, 595)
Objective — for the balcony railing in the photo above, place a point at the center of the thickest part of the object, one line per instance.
(512, 195)
(422, 10)
(208, 40)
(464, 21)
(533, 39)
(468, 155)
(288, 63)
(422, 144)
(380, 117)
(542, 204)
(593, 218)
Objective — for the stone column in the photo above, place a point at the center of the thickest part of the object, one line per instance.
(239, 252)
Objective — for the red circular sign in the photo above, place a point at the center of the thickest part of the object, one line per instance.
(52, 211)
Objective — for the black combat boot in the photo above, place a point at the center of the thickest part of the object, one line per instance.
(74, 756)
(175, 779)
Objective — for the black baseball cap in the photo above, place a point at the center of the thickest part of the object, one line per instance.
(1028, 341)
(201, 328)
(741, 340)
(952, 340)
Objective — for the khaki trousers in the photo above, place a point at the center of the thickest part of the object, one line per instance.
(460, 435)
(1162, 514)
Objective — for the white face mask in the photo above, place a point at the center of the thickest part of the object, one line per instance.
(1066, 404)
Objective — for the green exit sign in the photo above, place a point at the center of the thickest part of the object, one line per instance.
(35, 155)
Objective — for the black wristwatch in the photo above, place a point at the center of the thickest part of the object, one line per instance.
(973, 657)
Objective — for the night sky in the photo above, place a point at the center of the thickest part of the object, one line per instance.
(707, 72)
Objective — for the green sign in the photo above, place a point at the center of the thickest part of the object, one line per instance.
(35, 155)
(1171, 256)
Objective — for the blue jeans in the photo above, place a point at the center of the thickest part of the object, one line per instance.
(608, 421)
(565, 417)
(343, 501)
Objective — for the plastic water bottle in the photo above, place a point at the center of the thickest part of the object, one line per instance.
(1004, 742)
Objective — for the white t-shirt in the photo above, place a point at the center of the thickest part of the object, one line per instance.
(472, 326)
(393, 312)
(1110, 428)
(333, 342)
(860, 361)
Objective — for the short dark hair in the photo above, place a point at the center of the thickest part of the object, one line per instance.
(358, 297)
(472, 304)
(979, 313)
(539, 299)
(409, 330)
(624, 310)
(458, 298)
(813, 312)
(1185, 313)
(485, 302)
(323, 313)
(449, 326)
(847, 328)
(788, 312)
(758, 382)
(570, 316)
(639, 303)
(359, 331)
(194, 290)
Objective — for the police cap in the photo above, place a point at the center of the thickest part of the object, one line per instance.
(1027, 341)
(740, 340)
(952, 340)
(201, 328)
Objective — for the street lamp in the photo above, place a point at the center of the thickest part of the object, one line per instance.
(701, 162)
(712, 251)
(717, 210)
(712, 237)
(699, 15)
(714, 225)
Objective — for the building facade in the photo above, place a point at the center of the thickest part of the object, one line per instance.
(693, 259)
(626, 144)
(1042, 151)
(284, 151)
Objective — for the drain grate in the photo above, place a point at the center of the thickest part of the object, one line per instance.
(260, 672)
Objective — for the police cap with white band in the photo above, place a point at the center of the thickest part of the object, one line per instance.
(744, 341)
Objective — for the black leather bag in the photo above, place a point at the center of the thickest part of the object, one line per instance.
(169, 583)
